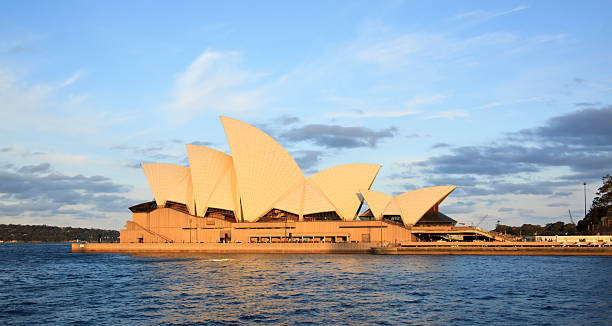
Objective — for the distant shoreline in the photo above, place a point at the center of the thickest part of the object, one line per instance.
(54, 234)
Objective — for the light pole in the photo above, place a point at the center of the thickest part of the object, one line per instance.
(585, 199)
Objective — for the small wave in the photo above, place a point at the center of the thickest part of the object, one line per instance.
(219, 259)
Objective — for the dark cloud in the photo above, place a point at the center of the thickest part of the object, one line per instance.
(335, 136)
(440, 145)
(591, 104)
(581, 140)
(287, 120)
(488, 188)
(489, 160)
(585, 176)
(557, 205)
(202, 143)
(111, 203)
(406, 187)
(153, 152)
(34, 189)
(22, 153)
(42, 167)
(460, 181)
(460, 207)
(561, 194)
(505, 209)
(270, 128)
(307, 160)
(132, 165)
(588, 127)
(275, 126)
(406, 174)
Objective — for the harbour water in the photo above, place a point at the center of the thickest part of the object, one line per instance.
(47, 284)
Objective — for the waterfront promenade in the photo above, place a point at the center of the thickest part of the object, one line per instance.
(406, 248)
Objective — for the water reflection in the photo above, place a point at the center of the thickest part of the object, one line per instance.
(48, 284)
(288, 288)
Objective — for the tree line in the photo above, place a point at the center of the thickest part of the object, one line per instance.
(599, 218)
(597, 221)
(44, 233)
(557, 228)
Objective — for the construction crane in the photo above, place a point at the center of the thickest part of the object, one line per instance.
(481, 220)
(571, 219)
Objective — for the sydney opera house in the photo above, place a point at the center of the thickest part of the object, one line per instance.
(259, 194)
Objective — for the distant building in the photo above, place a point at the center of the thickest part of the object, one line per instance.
(571, 238)
(259, 194)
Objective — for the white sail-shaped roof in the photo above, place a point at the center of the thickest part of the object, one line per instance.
(210, 173)
(315, 201)
(260, 175)
(392, 208)
(341, 184)
(414, 204)
(377, 201)
(293, 200)
(223, 195)
(264, 169)
(170, 182)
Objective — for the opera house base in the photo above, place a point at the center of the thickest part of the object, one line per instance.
(225, 248)
(168, 225)
(419, 248)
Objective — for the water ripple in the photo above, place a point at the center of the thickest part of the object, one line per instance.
(46, 284)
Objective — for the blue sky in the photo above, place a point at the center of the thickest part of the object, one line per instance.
(510, 101)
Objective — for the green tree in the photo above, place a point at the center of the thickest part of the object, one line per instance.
(604, 193)
(597, 220)
(554, 228)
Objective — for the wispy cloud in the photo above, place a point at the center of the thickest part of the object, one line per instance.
(451, 114)
(71, 80)
(49, 107)
(447, 114)
(215, 81)
(488, 105)
(427, 51)
(487, 15)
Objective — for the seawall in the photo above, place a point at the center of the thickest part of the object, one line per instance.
(465, 248)
(302, 248)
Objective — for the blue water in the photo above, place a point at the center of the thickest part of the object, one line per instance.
(47, 284)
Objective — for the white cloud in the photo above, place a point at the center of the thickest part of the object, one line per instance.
(448, 114)
(488, 105)
(486, 15)
(71, 80)
(48, 107)
(216, 82)
(504, 103)
(426, 51)
(392, 51)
